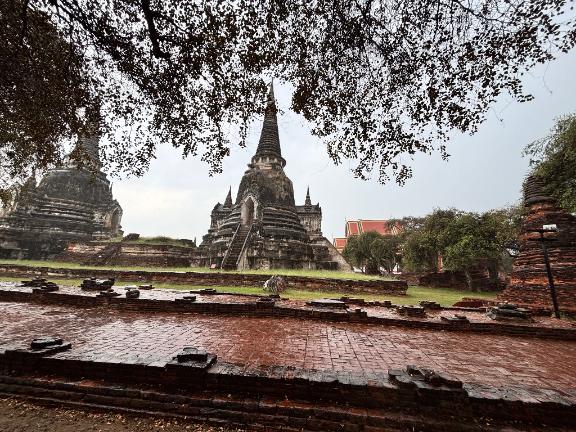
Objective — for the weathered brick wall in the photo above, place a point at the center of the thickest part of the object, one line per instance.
(529, 281)
(377, 286)
(456, 279)
(127, 254)
(271, 310)
(283, 397)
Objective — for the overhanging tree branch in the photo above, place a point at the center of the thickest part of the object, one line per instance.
(153, 33)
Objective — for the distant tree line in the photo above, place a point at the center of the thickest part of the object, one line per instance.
(462, 240)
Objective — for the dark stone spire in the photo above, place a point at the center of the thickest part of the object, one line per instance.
(91, 145)
(269, 143)
(89, 141)
(30, 182)
(308, 201)
(228, 202)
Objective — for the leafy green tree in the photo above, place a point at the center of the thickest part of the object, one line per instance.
(473, 243)
(419, 251)
(371, 251)
(554, 160)
(407, 223)
(464, 240)
(424, 243)
(351, 252)
(358, 252)
(384, 252)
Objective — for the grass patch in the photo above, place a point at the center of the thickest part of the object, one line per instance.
(68, 265)
(158, 241)
(415, 294)
(332, 274)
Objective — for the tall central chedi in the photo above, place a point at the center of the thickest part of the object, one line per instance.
(264, 228)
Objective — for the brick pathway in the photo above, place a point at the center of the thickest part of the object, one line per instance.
(154, 339)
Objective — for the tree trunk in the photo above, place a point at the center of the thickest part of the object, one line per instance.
(371, 268)
(468, 280)
(493, 272)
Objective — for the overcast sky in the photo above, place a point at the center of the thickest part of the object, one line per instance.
(484, 171)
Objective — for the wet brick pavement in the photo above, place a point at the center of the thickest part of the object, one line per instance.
(376, 311)
(102, 334)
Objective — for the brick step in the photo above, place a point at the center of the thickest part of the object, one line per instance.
(68, 207)
(235, 248)
(72, 216)
(221, 410)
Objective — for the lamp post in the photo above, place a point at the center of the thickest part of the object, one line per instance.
(543, 240)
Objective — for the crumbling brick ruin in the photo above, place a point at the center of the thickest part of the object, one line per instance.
(529, 283)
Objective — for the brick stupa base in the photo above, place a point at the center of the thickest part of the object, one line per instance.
(529, 282)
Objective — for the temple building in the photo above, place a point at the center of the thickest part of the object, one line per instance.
(71, 203)
(529, 281)
(263, 227)
(356, 227)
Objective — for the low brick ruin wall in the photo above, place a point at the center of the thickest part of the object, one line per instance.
(457, 280)
(127, 254)
(265, 309)
(280, 397)
(377, 286)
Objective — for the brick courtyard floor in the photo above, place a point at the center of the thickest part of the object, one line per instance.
(376, 311)
(101, 334)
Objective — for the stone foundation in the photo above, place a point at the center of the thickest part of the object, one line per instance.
(456, 279)
(376, 286)
(127, 254)
(287, 372)
(255, 308)
(286, 397)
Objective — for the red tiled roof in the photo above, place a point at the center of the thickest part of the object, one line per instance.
(340, 243)
(380, 226)
(355, 227)
(352, 228)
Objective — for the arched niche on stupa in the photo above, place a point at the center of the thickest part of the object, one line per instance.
(248, 211)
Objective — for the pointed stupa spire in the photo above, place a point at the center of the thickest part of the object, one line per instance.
(308, 201)
(89, 140)
(535, 191)
(228, 202)
(269, 144)
(30, 182)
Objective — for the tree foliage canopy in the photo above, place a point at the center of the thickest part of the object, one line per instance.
(463, 240)
(42, 87)
(377, 79)
(554, 160)
(371, 251)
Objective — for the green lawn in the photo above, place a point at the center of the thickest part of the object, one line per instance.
(285, 272)
(415, 294)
